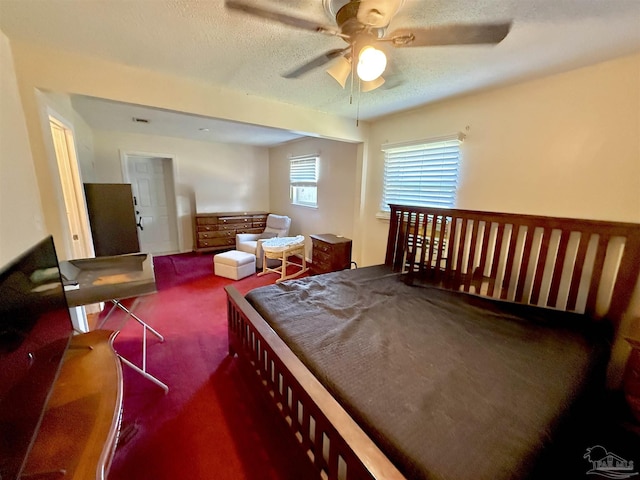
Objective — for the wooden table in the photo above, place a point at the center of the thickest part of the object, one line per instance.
(77, 437)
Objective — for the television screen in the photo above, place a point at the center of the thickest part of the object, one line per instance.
(35, 329)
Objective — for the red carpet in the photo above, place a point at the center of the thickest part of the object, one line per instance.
(212, 424)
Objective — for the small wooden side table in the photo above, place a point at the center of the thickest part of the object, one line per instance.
(330, 253)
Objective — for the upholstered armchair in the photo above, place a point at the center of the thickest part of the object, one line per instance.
(277, 226)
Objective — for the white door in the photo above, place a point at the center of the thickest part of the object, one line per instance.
(154, 202)
(65, 151)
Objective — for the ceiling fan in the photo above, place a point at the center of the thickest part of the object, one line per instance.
(363, 24)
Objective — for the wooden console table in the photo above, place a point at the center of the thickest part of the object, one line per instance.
(79, 429)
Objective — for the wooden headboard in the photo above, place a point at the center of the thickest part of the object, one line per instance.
(585, 266)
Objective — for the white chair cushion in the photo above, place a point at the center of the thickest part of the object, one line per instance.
(277, 223)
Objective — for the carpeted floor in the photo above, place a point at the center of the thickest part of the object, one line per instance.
(211, 424)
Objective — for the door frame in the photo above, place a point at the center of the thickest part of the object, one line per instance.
(72, 188)
(173, 199)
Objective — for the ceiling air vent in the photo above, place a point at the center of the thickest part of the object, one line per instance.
(140, 120)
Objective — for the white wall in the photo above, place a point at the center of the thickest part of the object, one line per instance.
(210, 177)
(59, 104)
(338, 187)
(21, 216)
(566, 145)
(52, 70)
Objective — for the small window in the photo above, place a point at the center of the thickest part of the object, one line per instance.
(423, 174)
(303, 178)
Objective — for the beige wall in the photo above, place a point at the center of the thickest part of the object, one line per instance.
(338, 187)
(565, 145)
(209, 177)
(21, 216)
(45, 69)
(59, 106)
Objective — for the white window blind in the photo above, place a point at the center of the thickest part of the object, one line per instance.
(303, 178)
(422, 174)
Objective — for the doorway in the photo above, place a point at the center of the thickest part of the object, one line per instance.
(152, 183)
(71, 183)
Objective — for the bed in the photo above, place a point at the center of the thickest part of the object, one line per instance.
(422, 367)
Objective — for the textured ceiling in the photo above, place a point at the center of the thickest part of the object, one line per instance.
(203, 40)
(108, 115)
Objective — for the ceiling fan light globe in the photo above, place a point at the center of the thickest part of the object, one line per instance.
(371, 63)
(372, 85)
(340, 71)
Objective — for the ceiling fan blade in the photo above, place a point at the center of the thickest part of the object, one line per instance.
(316, 62)
(284, 18)
(450, 35)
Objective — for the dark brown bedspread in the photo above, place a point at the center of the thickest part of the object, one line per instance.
(449, 385)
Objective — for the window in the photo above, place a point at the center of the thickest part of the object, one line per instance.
(303, 178)
(424, 174)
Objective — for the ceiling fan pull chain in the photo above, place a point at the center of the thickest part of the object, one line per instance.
(358, 106)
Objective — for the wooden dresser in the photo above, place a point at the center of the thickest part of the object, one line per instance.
(79, 430)
(217, 231)
(330, 253)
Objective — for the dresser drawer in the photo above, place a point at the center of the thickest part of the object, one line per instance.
(250, 230)
(217, 234)
(234, 226)
(226, 220)
(322, 247)
(206, 220)
(322, 267)
(321, 256)
(216, 242)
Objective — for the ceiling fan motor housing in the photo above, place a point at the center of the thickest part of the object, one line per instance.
(368, 13)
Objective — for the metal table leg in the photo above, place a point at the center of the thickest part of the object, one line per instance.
(145, 326)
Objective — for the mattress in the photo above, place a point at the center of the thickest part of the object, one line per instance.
(449, 385)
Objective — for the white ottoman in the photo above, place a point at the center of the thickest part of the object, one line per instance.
(234, 264)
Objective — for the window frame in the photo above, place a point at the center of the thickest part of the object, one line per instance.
(450, 146)
(305, 178)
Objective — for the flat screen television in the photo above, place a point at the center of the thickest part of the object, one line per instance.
(35, 329)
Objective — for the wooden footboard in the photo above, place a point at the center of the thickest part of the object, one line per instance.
(334, 443)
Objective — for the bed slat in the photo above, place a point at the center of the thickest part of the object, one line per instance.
(558, 268)
(597, 273)
(542, 260)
